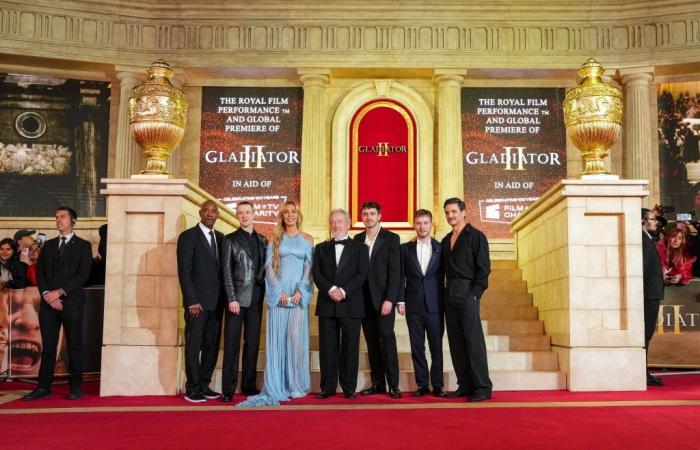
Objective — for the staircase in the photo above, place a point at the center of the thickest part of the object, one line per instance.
(519, 353)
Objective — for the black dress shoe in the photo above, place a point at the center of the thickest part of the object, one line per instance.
(654, 381)
(75, 393)
(438, 392)
(195, 397)
(227, 398)
(251, 392)
(350, 395)
(394, 392)
(373, 390)
(324, 395)
(421, 391)
(36, 394)
(479, 396)
(457, 393)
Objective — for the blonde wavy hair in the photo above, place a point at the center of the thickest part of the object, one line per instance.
(278, 233)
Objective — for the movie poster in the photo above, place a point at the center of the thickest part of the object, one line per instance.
(514, 150)
(251, 148)
(679, 147)
(54, 136)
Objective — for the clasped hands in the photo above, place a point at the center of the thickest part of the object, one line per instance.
(53, 298)
(295, 300)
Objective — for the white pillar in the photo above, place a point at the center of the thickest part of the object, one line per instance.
(128, 156)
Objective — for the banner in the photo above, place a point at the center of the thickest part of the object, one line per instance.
(251, 148)
(514, 150)
(382, 162)
(677, 339)
(20, 356)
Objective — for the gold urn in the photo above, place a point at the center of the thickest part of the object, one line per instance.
(157, 117)
(593, 117)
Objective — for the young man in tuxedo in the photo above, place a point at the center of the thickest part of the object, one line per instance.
(243, 256)
(653, 284)
(381, 291)
(198, 256)
(339, 271)
(467, 263)
(62, 271)
(422, 287)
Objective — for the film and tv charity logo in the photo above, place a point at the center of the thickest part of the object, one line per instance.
(503, 210)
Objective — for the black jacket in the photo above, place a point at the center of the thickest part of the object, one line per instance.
(237, 266)
(422, 293)
(69, 271)
(384, 268)
(198, 269)
(467, 265)
(652, 271)
(349, 275)
(18, 270)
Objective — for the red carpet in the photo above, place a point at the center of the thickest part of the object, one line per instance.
(661, 418)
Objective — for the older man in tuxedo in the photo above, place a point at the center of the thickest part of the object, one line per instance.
(198, 256)
(422, 287)
(339, 271)
(62, 271)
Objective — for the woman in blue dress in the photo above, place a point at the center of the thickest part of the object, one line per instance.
(287, 295)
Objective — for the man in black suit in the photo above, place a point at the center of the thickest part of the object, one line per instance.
(381, 291)
(467, 264)
(244, 280)
(422, 287)
(62, 271)
(198, 255)
(653, 284)
(339, 270)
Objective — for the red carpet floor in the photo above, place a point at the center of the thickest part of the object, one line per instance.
(660, 418)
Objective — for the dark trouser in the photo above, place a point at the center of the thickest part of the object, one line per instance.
(467, 344)
(339, 352)
(381, 347)
(249, 320)
(50, 321)
(432, 324)
(202, 335)
(651, 315)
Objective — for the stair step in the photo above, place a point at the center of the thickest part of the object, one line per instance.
(503, 380)
(493, 312)
(492, 298)
(504, 264)
(505, 276)
(515, 327)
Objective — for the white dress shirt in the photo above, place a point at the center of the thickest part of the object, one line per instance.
(338, 253)
(424, 250)
(370, 242)
(206, 231)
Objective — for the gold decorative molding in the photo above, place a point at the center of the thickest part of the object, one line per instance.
(198, 35)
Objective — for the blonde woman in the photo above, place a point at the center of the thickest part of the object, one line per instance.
(287, 294)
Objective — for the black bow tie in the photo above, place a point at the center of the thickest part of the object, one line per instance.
(341, 242)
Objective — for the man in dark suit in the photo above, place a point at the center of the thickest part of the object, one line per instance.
(244, 280)
(198, 255)
(422, 287)
(339, 270)
(465, 253)
(62, 271)
(381, 291)
(653, 284)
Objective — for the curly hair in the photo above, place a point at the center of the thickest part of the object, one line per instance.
(278, 234)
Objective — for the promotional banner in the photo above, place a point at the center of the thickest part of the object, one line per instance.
(19, 324)
(382, 161)
(677, 339)
(54, 138)
(251, 147)
(514, 149)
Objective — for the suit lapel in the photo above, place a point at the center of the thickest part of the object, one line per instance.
(435, 257)
(344, 257)
(242, 241)
(205, 242)
(413, 256)
(67, 249)
(330, 256)
(378, 241)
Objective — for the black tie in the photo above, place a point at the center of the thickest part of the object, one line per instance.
(341, 242)
(62, 245)
(212, 243)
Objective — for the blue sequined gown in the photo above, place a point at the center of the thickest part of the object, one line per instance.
(287, 332)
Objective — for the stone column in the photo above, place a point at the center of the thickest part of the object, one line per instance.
(128, 156)
(314, 152)
(637, 133)
(179, 79)
(142, 336)
(450, 173)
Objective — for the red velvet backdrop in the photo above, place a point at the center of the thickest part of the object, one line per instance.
(382, 162)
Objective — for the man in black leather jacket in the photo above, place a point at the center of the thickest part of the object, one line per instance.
(243, 266)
